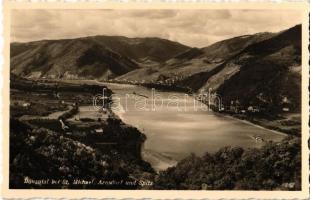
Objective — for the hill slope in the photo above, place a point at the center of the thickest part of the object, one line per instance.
(260, 69)
(141, 50)
(196, 60)
(267, 72)
(101, 57)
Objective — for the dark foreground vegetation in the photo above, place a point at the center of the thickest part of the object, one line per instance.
(276, 166)
(39, 156)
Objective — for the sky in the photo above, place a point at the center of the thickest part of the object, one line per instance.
(195, 28)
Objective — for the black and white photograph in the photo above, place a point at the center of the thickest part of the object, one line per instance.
(155, 99)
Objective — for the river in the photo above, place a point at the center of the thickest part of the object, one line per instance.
(177, 125)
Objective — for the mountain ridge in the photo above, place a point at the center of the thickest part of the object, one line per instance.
(232, 67)
(27, 58)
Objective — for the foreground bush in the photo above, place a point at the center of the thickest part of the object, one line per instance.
(41, 154)
(276, 166)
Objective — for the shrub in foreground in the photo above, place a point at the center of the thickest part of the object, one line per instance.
(276, 166)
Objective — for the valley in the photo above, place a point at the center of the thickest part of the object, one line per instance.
(261, 70)
(250, 85)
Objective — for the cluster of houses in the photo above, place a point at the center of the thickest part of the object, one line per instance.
(59, 75)
(250, 109)
(161, 80)
(235, 106)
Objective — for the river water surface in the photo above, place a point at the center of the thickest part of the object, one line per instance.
(177, 125)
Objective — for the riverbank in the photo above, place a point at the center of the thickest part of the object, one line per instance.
(242, 120)
(289, 124)
(102, 151)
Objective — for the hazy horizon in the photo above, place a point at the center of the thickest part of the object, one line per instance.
(194, 28)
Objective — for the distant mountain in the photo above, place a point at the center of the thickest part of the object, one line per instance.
(267, 72)
(100, 57)
(263, 68)
(142, 49)
(196, 60)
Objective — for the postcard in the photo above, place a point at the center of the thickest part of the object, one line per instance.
(155, 100)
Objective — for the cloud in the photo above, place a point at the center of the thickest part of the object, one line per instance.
(197, 28)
